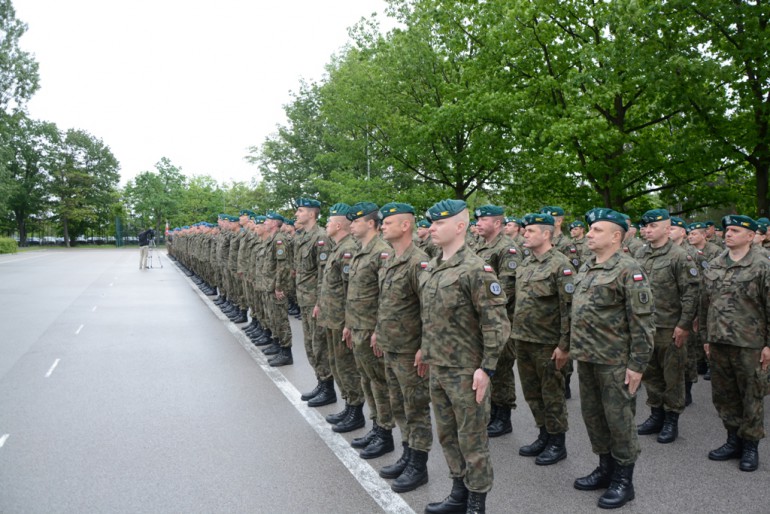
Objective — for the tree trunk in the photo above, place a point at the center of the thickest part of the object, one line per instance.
(65, 229)
(21, 225)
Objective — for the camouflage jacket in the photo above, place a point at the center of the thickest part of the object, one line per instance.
(313, 249)
(505, 256)
(543, 299)
(235, 245)
(427, 246)
(333, 293)
(399, 327)
(243, 252)
(223, 248)
(674, 280)
(464, 320)
(364, 289)
(632, 246)
(582, 251)
(612, 314)
(263, 282)
(735, 301)
(563, 244)
(702, 257)
(251, 261)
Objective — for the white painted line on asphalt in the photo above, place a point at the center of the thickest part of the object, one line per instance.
(53, 367)
(3, 439)
(366, 476)
(24, 258)
(93, 309)
(79, 329)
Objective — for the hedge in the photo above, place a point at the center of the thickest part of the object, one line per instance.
(8, 245)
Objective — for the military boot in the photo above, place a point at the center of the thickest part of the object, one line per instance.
(687, 394)
(621, 489)
(455, 503)
(394, 470)
(380, 445)
(599, 478)
(364, 440)
(567, 388)
(265, 339)
(273, 349)
(353, 421)
(242, 317)
(493, 414)
(327, 395)
(317, 389)
(536, 448)
(653, 424)
(670, 430)
(554, 451)
(415, 474)
(249, 328)
(218, 300)
(476, 503)
(749, 456)
(502, 424)
(732, 449)
(283, 358)
(333, 419)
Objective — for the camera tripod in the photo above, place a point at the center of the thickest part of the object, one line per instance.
(153, 253)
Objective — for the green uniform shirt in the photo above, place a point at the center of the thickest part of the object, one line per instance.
(313, 248)
(364, 289)
(333, 293)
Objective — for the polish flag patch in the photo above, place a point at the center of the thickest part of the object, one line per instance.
(512, 251)
(384, 255)
(279, 242)
(347, 255)
(572, 249)
(424, 265)
(487, 267)
(567, 272)
(638, 277)
(321, 243)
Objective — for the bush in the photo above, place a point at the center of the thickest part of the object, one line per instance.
(8, 245)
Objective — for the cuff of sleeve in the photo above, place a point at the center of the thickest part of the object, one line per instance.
(635, 366)
(488, 363)
(685, 325)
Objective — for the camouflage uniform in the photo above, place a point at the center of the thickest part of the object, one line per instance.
(361, 320)
(612, 328)
(674, 280)
(277, 271)
(734, 319)
(632, 246)
(465, 325)
(540, 323)
(399, 331)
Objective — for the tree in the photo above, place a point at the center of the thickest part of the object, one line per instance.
(154, 196)
(18, 69)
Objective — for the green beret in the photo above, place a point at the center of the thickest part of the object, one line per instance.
(655, 215)
(763, 221)
(259, 220)
(222, 216)
(473, 223)
(762, 228)
(709, 223)
(718, 229)
(576, 224)
(423, 224)
(445, 209)
(389, 209)
(552, 210)
(678, 222)
(519, 221)
(361, 209)
(738, 220)
(275, 216)
(186, 227)
(308, 202)
(234, 218)
(339, 209)
(509, 219)
(604, 214)
(289, 222)
(246, 212)
(542, 218)
(488, 210)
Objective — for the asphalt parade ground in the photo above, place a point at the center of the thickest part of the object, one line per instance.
(127, 391)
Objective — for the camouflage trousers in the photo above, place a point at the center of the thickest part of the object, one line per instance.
(543, 385)
(461, 425)
(257, 307)
(343, 366)
(738, 387)
(278, 318)
(315, 344)
(609, 411)
(373, 382)
(664, 377)
(695, 356)
(409, 400)
(503, 384)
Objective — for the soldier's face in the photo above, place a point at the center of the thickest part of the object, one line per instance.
(677, 234)
(738, 237)
(710, 231)
(759, 238)
(393, 227)
(657, 231)
(696, 237)
(535, 236)
(304, 215)
(511, 229)
(487, 226)
(359, 227)
(422, 232)
(445, 231)
(577, 232)
(602, 235)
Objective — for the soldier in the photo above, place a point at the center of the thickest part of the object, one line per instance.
(329, 312)
(612, 330)
(674, 280)
(631, 244)
(398, 334)
(313, 249)
(360, 322)
(290, 234)
(465, 325)
(577, 230)
(734, 316)
(540, 327)
(677, 232)
(423, 238)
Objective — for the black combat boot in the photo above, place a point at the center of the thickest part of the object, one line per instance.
(687, 394)
(703, 367)
(600, 477)
(536, 448)
(273, 349)
(248, 329)
(364, 440)
(339, 416)
(327, 395)
(621, 489)
(380, 445)
(670, 430)
(264, 339)
(415, 474)
(750, 456)
(502, 424)
(653, 424)
(218, 300)
(282, 358)
(242, 317)
(455, 503)
(394, 470)
(567, 388)
(477, 503)
(707, 374)
(257, 332)
(353, 421)
(554, 451)
(493, 414)
(732, 449)
(317, 389)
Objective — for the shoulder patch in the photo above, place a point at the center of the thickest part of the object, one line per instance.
(567, 272)
(488, 268)
(572, 249)
(384, 255)
(347, 255)
(495, 288)
(638, 277)
(569, 288)
(512, 264)
(320, 242)
(693, 272)
(644, 297)
(323, 256)
(512, 251)
(575, 262)
(278, 242)
(526, 251)
(424, 265)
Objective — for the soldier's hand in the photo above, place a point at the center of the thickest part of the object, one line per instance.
(559, 357)
(633, 379)
(680, 336)
(707, 350)
(347, 337)
(480, 384)
(764, 359)
(316, 311)
(279, 295)
(422, 368)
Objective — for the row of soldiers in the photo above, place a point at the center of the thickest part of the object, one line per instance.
(468, 303)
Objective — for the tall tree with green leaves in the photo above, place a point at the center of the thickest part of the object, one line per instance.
(154, 196)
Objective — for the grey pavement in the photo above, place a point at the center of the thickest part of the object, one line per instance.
(127, 391)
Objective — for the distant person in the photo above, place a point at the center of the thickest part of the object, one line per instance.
(144, 244)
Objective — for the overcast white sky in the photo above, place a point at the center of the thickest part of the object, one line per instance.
(197, 82)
